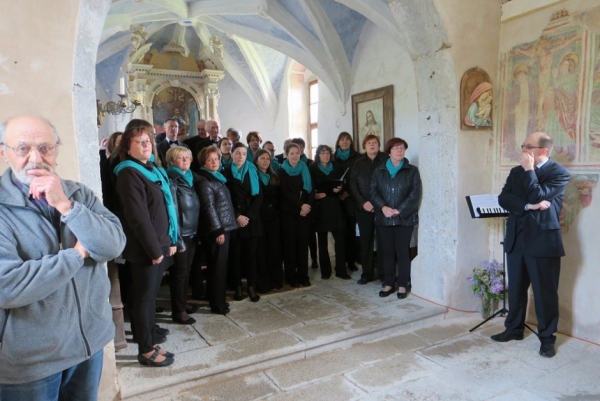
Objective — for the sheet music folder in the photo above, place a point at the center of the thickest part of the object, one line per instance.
(483, 206)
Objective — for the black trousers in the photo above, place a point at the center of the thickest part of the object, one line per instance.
(270, 263)
(350, 238)
(395, 243)
(216, 271)
(244, 249)
(294, 233)
(366, 226)
(196, 273)
(312, 241)
(543, 275)
(179, 276)
(145, 284)
(340, 253)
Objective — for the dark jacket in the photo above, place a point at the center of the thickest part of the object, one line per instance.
(143, 214)
(342, 166)
(541, 228)
(269, 209)
(107, 178)
(192, 142)
(245, 204)
(216, 210)
(327, 212)
(188, 207)
(293, 195)
(359, 182)
(163, 147)
(403, 193)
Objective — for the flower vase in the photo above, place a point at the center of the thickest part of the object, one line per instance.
(488, 306)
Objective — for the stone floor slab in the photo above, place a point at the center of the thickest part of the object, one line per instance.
(349, 301)
(217, 329)
(307, 307)
(458, 350)
(249, 387)
(378, 350)
(424, 388)
(271, 318)
(335, 389)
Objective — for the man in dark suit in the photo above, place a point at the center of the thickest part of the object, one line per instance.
(193, 141)
(171, 129)
(533, 195)
(212, 128)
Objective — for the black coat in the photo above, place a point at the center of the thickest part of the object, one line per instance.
(245, 204)
(327, 212)
(163, 147)
(359, 182)
(541, 228)
(188, 206)
(269, 209)
(293, 195)
(403, 193)
(342, 166)
(192, 143)
(216, 210)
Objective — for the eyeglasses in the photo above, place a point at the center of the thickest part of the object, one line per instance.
(529, 147)
(25, 150)
(143, 143)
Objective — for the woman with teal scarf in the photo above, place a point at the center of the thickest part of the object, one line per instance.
(179, 160)
(328, 215)
(244, 184)
(254, 141)
(395, 195)
(149, 219)
(345, 156)
(297, 197)
(225, 145)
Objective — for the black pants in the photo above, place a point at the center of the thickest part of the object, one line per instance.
(216, 272)
(270, 264)
(543, 275)
(312, 241)
(350, 237)
(244, 249)
(294, 233)
(144, 289)
(179, 277)
(196, 273)
(340, 260)
(395, 244)
(366, 226)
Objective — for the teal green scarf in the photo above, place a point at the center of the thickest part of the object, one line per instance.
(342, 154)
(265, 178)
(326, 170)
(299, 169)
(226, 163)
(393, 170)
(304, 159)
(275, 165)
(187, 176)
(240, 174)
(249, 154)
(158, 174)
(216, 174)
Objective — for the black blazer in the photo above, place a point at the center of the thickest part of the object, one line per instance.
(245, 204)
(327, 212)
(163, 147)
(541, 228)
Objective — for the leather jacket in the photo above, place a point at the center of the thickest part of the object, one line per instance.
(216, 209)
(360, 178)
(188, 207)
(402, 192)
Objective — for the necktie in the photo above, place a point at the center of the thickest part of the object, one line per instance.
(172, 142)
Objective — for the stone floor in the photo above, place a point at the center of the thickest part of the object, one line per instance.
(338, 340)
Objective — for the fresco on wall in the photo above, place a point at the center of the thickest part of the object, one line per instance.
(578, 195)
(177, 103)
(476, 99)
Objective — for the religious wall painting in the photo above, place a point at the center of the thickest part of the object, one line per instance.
(578, 196)
(476, 100)
(174, 102)
(373, 113)
(593, 132)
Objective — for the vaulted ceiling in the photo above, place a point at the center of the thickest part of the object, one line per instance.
(260, 38)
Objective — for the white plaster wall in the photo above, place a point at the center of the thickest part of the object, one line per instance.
(237, 110)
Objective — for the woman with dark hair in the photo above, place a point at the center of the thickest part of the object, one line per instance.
(225, 145)
(218, 221)
(359, 185)
(345, 156)
(149, 219)
(270, 266)
(108, 193)
(246, 196)
(297, 197)
(179, 160)
(254, 141)
(395, 195)
(327, 212)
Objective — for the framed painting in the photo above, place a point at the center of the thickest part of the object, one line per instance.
(175, 103)
(373, 113)
(476, 100)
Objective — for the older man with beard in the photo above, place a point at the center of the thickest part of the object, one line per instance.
(55, 318)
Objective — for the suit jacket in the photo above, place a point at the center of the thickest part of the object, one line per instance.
(192, 143)
(163, 147)
(540, 228)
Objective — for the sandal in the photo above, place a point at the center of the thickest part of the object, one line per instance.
(166, 354)
(151, 361)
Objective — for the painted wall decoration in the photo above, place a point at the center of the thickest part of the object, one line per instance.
(174, 102)
(373, 113)
(578, 195)
(476, 100)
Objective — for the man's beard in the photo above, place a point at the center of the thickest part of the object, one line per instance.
(22, 174)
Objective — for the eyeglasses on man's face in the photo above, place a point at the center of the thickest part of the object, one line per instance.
(44, 149)
(529, 147)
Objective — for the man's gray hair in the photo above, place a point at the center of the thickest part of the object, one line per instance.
(5, 124)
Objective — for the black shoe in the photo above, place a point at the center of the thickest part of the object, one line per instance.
(159, 309)
(191, 309)
(190, 320)
(254, 297)
(167, 353)
(305, 283)
(344, 276)
(159, 330)
(325, 277)
(547, 350)
(352, 267)
(314, 264)
(506, 336)
(387, 293)
(295, 284)
(220, 311)
(238, 294)
(151, 360)
(363, 281)
(402, 295)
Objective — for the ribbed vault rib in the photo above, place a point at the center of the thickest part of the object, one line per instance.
(223, 7)
(376, 12)
(111, 47)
